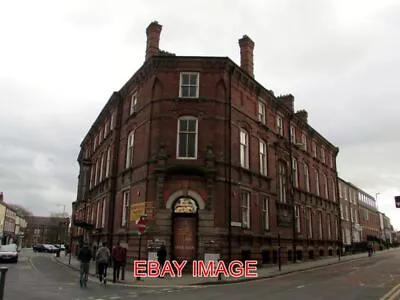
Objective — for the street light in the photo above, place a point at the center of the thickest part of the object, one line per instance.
(61, 223)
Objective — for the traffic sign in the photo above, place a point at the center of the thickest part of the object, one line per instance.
(397, 201)
(141, 225)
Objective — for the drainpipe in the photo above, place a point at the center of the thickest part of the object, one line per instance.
(340, 242)
(229, 196)
(292, 190)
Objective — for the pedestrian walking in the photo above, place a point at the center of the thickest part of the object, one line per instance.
(84, 256)
(102, 259)
(162, 256)
(118, 258)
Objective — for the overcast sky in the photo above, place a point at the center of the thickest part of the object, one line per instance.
(60, 61)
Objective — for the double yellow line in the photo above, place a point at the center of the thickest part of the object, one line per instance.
(394, 294)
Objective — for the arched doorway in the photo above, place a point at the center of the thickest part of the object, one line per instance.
(184, 220)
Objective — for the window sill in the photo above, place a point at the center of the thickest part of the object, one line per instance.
(186, 158)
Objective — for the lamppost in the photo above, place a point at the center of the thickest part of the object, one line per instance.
(61, 223)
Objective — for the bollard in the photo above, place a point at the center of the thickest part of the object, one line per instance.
(3, 271)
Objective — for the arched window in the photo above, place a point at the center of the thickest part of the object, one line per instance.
(129, 149)
(187, 136)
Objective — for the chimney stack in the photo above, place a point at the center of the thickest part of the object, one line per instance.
(153, 32)
(246, 55)
(1, 197)
(288, 101)
(302, 115)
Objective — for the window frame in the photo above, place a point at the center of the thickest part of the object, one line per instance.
(130, 149)
(266, 211)
(306, 173)
(262, 115)
(125, 208)
(245, 148)
(263, 160)
(245, 209)
(295, 172)
(133, 104)
(178, 132)
(181, 74)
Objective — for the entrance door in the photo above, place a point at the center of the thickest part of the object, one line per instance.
(185, 230)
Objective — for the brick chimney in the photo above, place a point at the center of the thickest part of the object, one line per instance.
(288, 101)
(1, 197)
(153, 32)
(302, 115)
(246, 54)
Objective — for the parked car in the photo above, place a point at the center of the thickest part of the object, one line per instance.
(58, 246)
(39, 248)
(47, 248)
(9, 253)
(50, 248)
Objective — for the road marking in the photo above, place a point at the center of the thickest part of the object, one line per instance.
(116, 297)
(391, 293)
(300, 286)
(395, 295)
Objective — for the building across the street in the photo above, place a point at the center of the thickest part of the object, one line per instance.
(12, 225)
(212, 159)
(51, 230)
(351, 228)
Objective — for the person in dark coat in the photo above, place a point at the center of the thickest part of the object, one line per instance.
(162, 256)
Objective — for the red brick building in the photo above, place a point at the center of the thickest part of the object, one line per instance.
(215, 160)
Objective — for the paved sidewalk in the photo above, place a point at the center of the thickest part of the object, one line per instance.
(188, 280)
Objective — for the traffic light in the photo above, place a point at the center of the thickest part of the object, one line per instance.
(397, 201)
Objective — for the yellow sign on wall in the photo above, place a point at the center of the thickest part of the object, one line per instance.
(139, 209)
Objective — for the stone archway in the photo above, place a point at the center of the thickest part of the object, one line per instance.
(184, 228)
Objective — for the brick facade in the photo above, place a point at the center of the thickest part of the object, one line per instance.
(248, 193)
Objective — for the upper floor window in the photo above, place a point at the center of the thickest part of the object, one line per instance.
(263, 158)
(306, 178)
(295, 173)
(282, 182)
(112, 121)
(133, 103)
(187, 138)
(326, 187)
(279, 124)
(95, 143)
(293, 134)
(317, 182)
(244, 149)
(261, 112)
(108, 162)
(333, 190)
(189, 85)
(304, 141)
(332, 158)
(106, 129)
(314, 148)
(129, 149)
(245, 204)
(323, 155)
